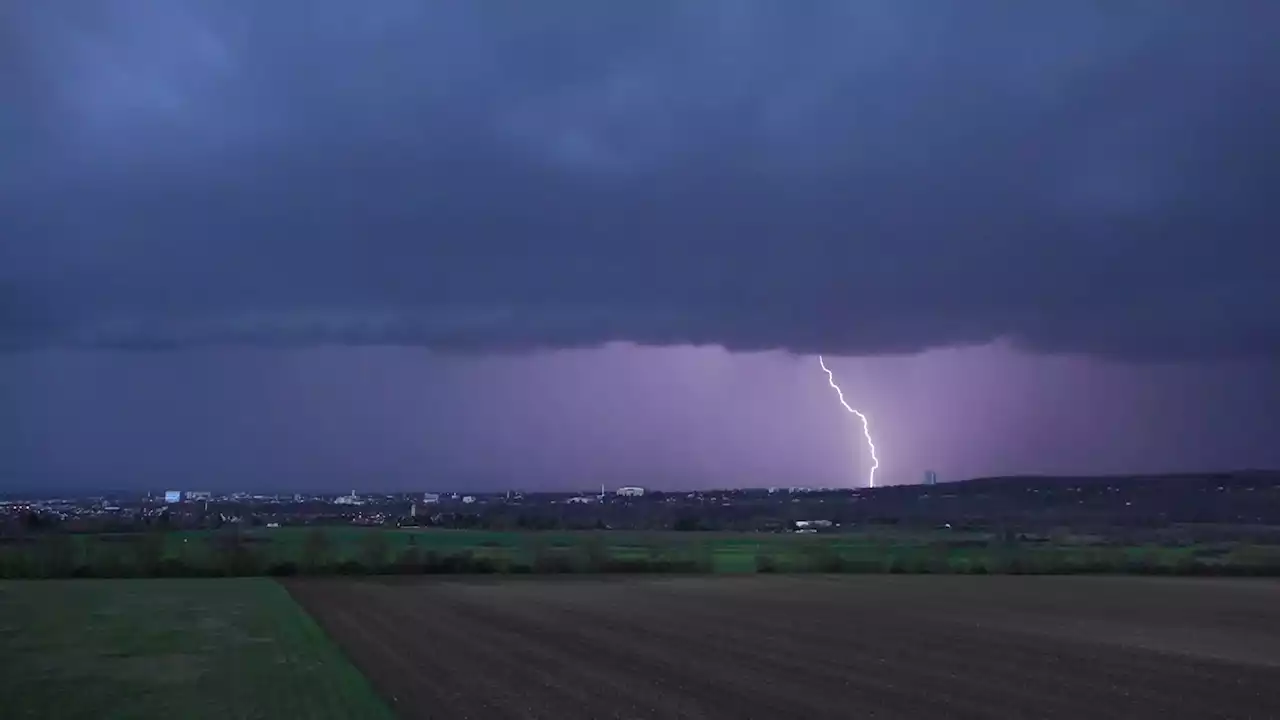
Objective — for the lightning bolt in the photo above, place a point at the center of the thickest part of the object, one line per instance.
(866, 426)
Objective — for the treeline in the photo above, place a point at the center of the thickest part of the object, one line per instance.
(61, 555)
(156, 554)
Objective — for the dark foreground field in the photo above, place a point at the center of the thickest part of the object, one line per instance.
(782, 647)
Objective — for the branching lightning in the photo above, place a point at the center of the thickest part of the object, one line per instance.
(866, 426)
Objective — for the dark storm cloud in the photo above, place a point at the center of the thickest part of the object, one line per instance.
(846, 177)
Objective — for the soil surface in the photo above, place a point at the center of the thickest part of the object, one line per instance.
(811, 647)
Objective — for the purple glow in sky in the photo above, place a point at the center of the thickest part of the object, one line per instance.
(670, 418)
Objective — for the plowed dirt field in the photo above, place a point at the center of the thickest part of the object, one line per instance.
(811, 647)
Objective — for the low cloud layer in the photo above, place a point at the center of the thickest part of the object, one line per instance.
(848, 178)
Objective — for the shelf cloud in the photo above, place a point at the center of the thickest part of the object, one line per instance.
(848, 178)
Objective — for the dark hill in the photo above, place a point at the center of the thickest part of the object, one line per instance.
(1239, 497)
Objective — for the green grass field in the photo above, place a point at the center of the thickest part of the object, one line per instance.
(728, 552)
(136, 649)
(268, 550)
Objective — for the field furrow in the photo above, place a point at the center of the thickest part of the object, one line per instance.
(782, 647)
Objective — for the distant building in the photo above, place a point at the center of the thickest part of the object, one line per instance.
(351, 499)
(172, 496)
(629, 492)
(430, 498)
(198, 494)
(468, 499)
(930, 477)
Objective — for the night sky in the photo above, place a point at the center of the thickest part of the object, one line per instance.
(404, 245)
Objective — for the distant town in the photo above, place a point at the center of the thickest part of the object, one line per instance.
(1240, 498)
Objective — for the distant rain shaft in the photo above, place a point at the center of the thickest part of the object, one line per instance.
(866, 426)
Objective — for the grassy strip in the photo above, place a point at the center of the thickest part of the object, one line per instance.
(376, 552)
(171, 648)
